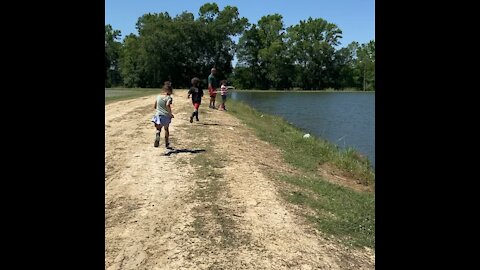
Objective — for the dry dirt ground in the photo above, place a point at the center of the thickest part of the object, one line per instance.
(210, 203)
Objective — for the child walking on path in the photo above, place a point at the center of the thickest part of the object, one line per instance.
(163, 114)
(197, 93)
(223, 92)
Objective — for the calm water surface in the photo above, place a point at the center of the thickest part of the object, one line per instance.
(345, 119)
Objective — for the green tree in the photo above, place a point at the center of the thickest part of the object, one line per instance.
(275, 62)
(262, 50)
(130, 64)
(217, 30)
(311, 46)
(112, 54)
(248, 69)
(155, 37)
(366, 65)
(179, 48)
(344, 67)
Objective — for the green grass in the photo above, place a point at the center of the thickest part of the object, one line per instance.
(211, 189)
(303, 153)
(116, 94)
(339, 211)
(346, 214)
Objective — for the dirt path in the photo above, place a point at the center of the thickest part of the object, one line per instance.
(214, 208)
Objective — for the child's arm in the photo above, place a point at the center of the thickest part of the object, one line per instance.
(155, 106)
(189, 91)
(169, 109)
(210, 86)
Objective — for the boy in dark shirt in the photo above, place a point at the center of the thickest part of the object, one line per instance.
(197, 93)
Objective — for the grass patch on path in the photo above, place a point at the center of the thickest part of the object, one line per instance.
(213, 220)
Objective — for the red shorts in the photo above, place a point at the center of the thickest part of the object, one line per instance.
(212, 92)
(196, 105)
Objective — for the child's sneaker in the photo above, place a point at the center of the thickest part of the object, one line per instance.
(197, 119)
(157, 140)
(191, 119)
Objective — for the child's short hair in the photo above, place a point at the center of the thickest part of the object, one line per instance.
(195, 80)
(224, 82)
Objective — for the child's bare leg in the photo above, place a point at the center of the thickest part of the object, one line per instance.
(167, 134)
(157, 135)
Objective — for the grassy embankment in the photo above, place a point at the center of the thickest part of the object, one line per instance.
(340, 211)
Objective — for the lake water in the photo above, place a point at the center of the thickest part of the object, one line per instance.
(345, 119)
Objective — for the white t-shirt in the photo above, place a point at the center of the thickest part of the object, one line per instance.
(223, 90)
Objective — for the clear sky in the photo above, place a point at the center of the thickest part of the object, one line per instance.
(356, 18)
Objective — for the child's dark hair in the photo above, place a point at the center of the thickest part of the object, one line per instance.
(195, 81)
(224, 82)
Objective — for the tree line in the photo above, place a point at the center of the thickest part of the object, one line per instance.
(269, 56)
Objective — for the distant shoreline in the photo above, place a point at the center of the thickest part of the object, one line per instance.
(304, 91)
(252, 90)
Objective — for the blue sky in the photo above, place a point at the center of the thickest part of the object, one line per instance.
(356, 18)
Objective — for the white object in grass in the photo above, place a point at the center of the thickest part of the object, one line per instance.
(306, 136)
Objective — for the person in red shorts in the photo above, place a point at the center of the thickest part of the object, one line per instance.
(196, 92)
(212, 87)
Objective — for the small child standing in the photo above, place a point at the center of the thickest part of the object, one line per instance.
(163, 114)
(223, 92)
(196, 92)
